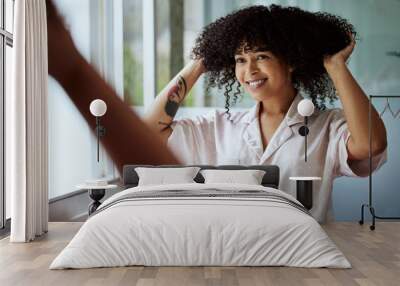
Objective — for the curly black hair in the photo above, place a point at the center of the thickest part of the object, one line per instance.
(302, 39)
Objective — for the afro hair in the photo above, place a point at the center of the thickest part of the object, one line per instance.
(302, 39)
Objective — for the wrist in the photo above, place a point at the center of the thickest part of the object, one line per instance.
(334, 66)
(198, 65)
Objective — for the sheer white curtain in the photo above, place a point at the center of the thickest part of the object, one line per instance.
(26, 124)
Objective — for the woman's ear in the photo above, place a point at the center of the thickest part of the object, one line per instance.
(291, 69)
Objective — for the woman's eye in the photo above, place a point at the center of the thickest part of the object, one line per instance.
(239, 60)
(262, 57)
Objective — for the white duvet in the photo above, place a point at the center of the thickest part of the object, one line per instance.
(200, 231)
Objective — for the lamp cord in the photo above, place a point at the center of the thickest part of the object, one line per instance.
(98, 135)
(305, 138)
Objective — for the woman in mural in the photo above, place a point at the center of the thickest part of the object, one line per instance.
(278, 55)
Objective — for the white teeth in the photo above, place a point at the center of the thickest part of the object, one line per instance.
(256, 83)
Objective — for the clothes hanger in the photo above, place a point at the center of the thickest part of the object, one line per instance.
(388, 107)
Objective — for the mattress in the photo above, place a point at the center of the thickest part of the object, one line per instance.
(201, 225)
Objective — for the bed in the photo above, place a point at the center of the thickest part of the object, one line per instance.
(201, 224)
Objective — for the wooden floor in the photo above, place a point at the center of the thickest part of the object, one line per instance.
(375, 256)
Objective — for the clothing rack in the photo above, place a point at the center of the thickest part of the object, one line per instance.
(370, 205)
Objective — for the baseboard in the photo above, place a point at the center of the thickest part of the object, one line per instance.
(5, 231)
(73, 207)
(80, 217)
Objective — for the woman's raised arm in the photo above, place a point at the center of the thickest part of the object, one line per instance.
(356, 108)
(166, 104)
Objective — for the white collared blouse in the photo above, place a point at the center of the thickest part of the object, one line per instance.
(214, 140)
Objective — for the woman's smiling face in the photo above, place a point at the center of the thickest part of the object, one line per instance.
(262, 73)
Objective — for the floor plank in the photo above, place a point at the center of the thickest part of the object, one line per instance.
(375, 257)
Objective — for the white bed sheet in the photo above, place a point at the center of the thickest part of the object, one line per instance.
(200, 231)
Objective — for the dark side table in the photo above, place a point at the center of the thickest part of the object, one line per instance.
(304, 190)
(96, 193)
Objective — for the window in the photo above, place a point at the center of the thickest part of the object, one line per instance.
(6, 43)
(177, 24)
(133, 52)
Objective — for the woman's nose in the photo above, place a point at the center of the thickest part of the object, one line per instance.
(252, 68)
(254, 71)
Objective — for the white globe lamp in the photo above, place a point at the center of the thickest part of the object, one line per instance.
(98, 108)
(305, 108)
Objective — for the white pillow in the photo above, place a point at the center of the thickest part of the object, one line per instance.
(248, 177)
(163, 176)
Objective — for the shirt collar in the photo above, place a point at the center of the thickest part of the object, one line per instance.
(292, 116)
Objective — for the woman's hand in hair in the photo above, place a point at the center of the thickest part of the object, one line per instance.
(356, 108)
(341, 57)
